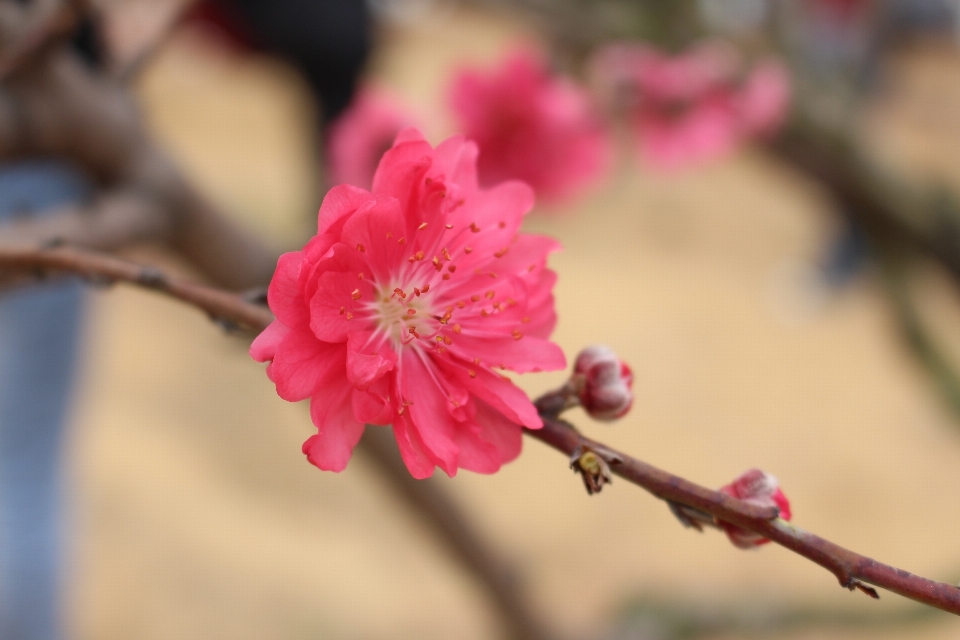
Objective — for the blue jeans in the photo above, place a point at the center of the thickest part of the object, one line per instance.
(39, 336)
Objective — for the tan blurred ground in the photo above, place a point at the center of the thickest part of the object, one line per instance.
(199, 518)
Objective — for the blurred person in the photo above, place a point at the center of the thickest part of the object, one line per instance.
(328, 41)
(40, 329)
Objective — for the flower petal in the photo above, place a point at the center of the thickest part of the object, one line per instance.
(429, 409)
(338, 432)
(522, 355)
(334, 312)
(303, 365)
(264, 346)
(419, 462)
(339, 202)
(366, 362)
(284, 295)
(500, 393)
(373, 405)
(378, 230)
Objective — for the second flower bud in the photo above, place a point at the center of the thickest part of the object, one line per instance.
(603, 383)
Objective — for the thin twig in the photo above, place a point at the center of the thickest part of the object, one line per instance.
(851, 569)
(218, 304)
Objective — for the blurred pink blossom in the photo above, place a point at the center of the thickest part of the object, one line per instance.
(531, 125)
(765, 98)
(691, 107)
(359, 138)
(405, 308)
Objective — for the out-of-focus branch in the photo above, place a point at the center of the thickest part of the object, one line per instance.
(889, 211)
(220, 305)
(56, 106)
(458, 535)
(130, 69)
(929, 353)
(853, 570)
(112, 221)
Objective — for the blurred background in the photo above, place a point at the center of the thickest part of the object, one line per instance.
(761, 330)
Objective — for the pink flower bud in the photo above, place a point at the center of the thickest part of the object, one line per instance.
(759, 488)
(603, 383)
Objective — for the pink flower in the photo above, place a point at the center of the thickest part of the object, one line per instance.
(758, 488)
(690, 108)
(603, 383)
(406, 305)
(531, 126)
(359, 138)
(765, 98)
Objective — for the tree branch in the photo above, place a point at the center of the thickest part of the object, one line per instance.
(222, 306)
(851, 569)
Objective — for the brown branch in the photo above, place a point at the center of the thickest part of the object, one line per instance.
(458, 535)
(129, 70)
(891, 212)
(59, 107)
(218, 304)
(851, 569)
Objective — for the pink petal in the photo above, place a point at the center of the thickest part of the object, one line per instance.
(264, 346)
(338, 431)
(429, 412)
(378, 230)
(503, 434)
(522, 355)
(374, 406)
(339, 202)
(367, 363)
(303, 365)
(408, 134)
(358, 138)
(499, 393)
(334, 312)
(456, 158)
(540, 306)
(412, 449)
(284, 295)
(401, 169)
(476, 454)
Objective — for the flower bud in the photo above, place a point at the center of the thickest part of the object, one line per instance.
(759, 488)
(603, 383)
